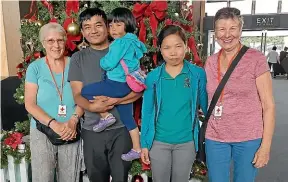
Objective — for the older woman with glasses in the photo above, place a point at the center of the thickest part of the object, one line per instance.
(241, 127)
(49, 99)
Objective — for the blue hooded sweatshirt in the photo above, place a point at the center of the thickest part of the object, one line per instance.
(128, 48)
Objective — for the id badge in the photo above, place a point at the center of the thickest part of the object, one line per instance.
(62, 111)
(218, 111)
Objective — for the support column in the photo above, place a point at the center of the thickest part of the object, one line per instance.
(11, 52)
(198, 17)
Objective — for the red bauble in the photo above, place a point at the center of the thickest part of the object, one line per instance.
(37, 55)
(203, 172)
(137, 178)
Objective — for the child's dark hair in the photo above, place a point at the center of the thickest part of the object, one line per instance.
(170, 30)
(88, 13)
(166, 31)
(123, 15)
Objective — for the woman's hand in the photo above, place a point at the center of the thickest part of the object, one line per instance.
(145, 156)
(61, 129)
(261, 157)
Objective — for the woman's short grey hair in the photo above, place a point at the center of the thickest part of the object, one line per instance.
(229, 13)
(51, 27)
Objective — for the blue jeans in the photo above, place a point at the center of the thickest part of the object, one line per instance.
(220, 154)
(113, 89)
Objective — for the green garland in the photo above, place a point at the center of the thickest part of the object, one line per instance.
(136, 169)
(6, 150)
(29, 32)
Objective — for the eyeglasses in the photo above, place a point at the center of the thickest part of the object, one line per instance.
(52, 41)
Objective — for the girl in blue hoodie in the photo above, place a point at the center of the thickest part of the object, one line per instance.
(128, 48)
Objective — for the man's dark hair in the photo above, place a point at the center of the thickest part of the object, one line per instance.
(274, 48)
(285, 48)
(123, 15)
(88, 13)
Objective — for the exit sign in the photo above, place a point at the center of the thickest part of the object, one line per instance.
(266, 21)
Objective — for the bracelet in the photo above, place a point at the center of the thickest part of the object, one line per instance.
(75, 115)
(50, 122)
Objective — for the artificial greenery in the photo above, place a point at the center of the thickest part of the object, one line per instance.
(32, 47)
(6, 150)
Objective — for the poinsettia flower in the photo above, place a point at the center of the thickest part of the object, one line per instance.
(14, 140)
(28, 59)
(17, 135)
(11, 142)
(168, 22)
(53, 20)
(20, 65)
(20, 75)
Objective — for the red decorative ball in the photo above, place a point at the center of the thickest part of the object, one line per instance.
(137, 178)
(203, 172)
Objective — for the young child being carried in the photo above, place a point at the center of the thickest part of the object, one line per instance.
(122, 68)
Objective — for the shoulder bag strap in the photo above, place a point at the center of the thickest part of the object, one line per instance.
(224, 81)
(124, 66)
(201, 148)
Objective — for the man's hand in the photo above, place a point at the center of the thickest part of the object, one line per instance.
(101, 104)
(130, 98)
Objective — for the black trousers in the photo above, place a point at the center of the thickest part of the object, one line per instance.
(102, 154)
(270, 65)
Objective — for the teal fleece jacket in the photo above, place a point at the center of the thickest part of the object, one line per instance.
(128, 48)
(152, 102)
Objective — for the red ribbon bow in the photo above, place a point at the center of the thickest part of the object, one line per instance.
(32, 12)
(48, 6)
(72, 6)
(155, 11)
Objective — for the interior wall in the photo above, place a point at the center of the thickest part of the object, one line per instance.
(4, 66)
(10, 37)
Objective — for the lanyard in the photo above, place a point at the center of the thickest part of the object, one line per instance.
(55, 83)
(219, 69)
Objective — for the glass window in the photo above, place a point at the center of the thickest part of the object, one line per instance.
(245, 6)
(266, 6)
(212, 8)
(284, 6)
